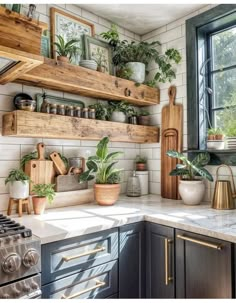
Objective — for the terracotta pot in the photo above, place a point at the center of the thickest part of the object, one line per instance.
(106, 194)
(39, 204)
(141, 166)
(219, 137)
(211, 137)
(63, 59)
(144, 120)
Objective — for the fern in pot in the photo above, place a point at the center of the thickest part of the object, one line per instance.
(107, 177)
(18, 184)
(42, 194)
(191, 187)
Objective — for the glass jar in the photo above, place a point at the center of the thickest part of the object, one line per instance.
(133, 120)
(53, 109)
(133, 186)
(92, 113)
(85, 112)
(70, 111)
(61, 109)
(77, 111)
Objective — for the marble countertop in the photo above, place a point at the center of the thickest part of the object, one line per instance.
(61, 223)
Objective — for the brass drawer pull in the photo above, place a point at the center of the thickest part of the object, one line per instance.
(66, 259)
(97, 285)
(200, 242)
(167, 278)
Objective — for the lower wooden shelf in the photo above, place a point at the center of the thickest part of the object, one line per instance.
(39, 125)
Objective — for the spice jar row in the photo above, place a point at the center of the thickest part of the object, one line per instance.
(69, 110)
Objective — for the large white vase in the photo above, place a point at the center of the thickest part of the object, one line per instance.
(191, 192)
(138, 71)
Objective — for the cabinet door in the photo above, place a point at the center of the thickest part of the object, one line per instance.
(160, 261)
(132, 261)
(203, 266)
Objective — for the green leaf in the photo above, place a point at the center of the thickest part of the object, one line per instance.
(175, 154)
(179, 172)
(113, 155)
(92, 165)
(102, 148)
(203, 173)
(86, 176)
(201, 159)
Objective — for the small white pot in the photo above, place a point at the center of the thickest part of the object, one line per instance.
(118, 117)
(138, 71)
(191, 192)
(19, 190)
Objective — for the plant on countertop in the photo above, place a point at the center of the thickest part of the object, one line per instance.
(17, 175)
(67, 49)
(143, 52)
(44, 190)
(190, 169)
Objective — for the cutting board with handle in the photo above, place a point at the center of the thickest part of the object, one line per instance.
(59, 165)
(171, 139)
(40, 170)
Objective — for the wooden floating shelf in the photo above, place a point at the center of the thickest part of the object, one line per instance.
(39, 125)
(73, 79)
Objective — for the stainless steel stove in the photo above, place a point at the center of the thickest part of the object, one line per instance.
(20, 261)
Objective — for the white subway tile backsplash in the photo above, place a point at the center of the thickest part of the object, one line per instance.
(89, 16)
(74, 9)
(6, 166)
(9, 152)
(6, 103)
(3, 188)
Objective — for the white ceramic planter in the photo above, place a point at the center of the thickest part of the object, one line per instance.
(19, 190)
(118, 117)
(215, 144)
(138, 71)
(231, 142)
(191, 192)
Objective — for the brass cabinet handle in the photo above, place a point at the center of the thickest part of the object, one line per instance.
(69, 258)
(167, 277)
(97, 285)
(200, 242)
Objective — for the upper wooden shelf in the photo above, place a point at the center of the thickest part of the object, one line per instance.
(73, 79)
(39, 125)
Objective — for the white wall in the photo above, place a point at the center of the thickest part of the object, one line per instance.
(172, 35)
(12, 149)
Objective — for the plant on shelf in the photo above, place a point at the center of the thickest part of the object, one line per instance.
(120, 111)
(18, 184)
(141, 162)
(124, 72)
(66, 50)
(101, 167)
(137, 55)
(215, 134)
(100, 58)
(144, 117)
(191, 188)
(43, 193)
(100, 110)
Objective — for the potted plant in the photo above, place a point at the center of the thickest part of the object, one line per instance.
(191, 188)
(106, 187)
(43, 193)
(18, 184)
(66, 50)
(143, 117)
(100, 58)
(120, 111)
(137, 55)
(141, 163)
(101, 112)
(215, 138)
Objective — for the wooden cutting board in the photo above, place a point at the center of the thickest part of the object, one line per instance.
(40, 171)
(171, 138)
(58, 163)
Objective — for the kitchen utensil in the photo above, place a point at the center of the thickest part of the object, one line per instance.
(19, 97)
(40, 171)
(28, 105)
(223, 196)
(133, 186)
(58, 163)
(172, 137)
(77, 163)
(69, 182)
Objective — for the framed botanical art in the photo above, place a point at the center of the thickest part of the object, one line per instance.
(69, 27)
(99, 51)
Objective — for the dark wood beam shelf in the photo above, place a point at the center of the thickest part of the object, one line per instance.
(73, 79)
(39, 125)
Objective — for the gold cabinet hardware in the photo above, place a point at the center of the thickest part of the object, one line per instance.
(97, 285)
(69, 258)
(200, 242)
(167, 277)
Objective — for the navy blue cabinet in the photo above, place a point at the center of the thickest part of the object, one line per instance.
(160, 270)
(132, 267)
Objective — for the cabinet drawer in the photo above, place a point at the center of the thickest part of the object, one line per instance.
(66, 257)
(97, 282)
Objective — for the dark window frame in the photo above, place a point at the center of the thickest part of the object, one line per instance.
(197, 29)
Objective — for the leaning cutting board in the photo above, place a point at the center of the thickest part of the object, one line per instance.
(58, 163)
(171, 139)
(40, 171)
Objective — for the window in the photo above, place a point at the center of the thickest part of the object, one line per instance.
(222, 72)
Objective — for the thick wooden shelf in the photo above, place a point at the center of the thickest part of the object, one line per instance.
(39, 125)
(66, 77)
